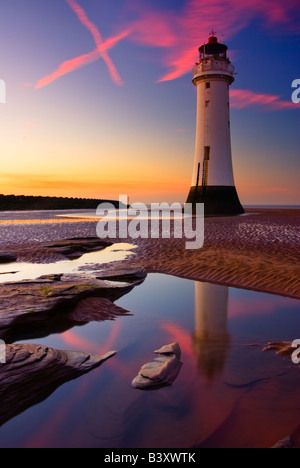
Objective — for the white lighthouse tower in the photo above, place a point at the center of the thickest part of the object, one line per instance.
(213, 180)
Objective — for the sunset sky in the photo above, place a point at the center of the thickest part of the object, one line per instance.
(100, 100)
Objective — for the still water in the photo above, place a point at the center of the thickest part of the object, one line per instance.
(228, 393)
(20, 271)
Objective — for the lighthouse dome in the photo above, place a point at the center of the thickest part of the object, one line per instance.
(213, 49)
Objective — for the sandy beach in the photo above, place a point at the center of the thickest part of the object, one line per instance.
(258, 251)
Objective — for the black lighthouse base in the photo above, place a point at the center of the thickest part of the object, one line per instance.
(218, 200)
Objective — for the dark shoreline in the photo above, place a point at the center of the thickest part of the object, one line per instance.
(33, 203)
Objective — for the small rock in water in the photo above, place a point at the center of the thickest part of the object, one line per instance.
(162, 371)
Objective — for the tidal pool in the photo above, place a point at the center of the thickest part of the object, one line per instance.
(19, 271)
(227, 394)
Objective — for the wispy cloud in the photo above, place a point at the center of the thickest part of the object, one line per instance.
(241, 98)
(97, 38)
(180, 32)
(276, 189)
(151, 27)
(82, 60)
(71, 65)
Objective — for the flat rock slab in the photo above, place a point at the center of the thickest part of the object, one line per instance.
(162, 371)
(48, 252)
(33, 372)
(75, 248)
(55, 303)
(126, 274)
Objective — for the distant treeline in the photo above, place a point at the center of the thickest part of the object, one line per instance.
(28, 203)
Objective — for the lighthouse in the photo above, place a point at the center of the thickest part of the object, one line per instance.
(213, 180)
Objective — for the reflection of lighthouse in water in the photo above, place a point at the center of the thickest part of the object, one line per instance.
(211, 340)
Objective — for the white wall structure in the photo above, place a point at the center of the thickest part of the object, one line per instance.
(213, 180)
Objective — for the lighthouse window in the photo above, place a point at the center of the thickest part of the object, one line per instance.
(207, 85)
(207, 103)
(206, 153)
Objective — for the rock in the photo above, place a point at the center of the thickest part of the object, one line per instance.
(55, 303)
(284, 443)
(49, 252)
(162, 371)
(75, 248)
(173, 348)
(33, 372)
(6, 257)
(50, 278)
(126, 274)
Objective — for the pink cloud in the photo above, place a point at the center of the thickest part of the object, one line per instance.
(152, 28)
(182, 33)
(241, 98)
(68, 66)
(97, 38)
(179, 34)
(71, 65)
(85, 21)
(100, 51)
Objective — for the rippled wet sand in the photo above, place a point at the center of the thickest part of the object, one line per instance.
(258, 251)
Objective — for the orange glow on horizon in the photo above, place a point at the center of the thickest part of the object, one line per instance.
(146, 190)
(87, 186)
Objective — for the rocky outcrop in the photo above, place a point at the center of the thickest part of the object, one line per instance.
(75, 248)
(126, 274)
(55, 303)
(50, 304)
(33, 372)
(162, 371)
(47, 252)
